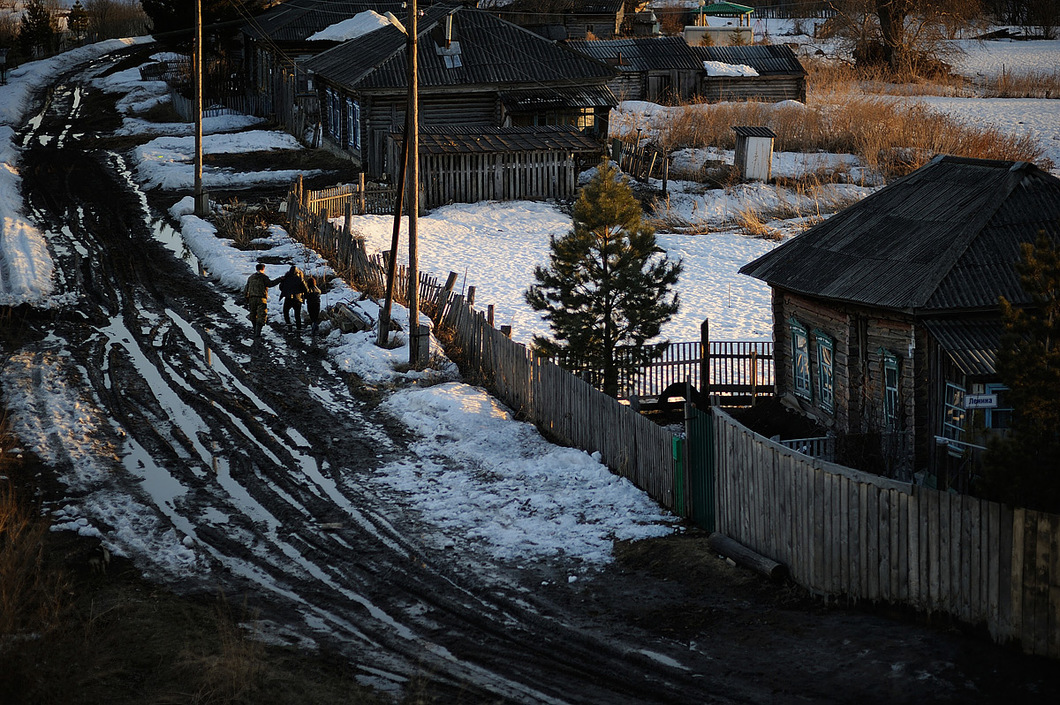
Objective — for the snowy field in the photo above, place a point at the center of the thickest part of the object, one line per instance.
(495, 247)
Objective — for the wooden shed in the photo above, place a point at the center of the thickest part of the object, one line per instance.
(754, 152)
(885, 316)
(467, 165)
(777, 74)
(649, 68)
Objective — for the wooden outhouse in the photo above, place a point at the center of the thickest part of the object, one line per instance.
(754, 152)
(886, 315)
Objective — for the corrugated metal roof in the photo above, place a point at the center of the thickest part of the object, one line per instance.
(945, 237)
(766, 59)
(641, 54)
(753, 131)
(491, 52)
(971, 344)
(482, 140)
(555, 98)
(298, 20)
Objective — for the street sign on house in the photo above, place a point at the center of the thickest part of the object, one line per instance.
(980, 401)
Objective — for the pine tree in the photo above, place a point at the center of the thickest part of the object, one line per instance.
(36, 31)
(608, 283)
(1023, 468)
(77, 21)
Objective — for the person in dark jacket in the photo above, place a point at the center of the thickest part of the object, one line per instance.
(312, 302)
(292, 289)
(256, 292)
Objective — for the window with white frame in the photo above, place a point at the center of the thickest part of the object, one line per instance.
(825, 371)
(800, 359)
(891, 408)
(1000, 417)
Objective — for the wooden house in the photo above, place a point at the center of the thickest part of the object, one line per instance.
(475, 70)
(886, 315)
(649, 68)
(776, 74)
(277, 43)
(564, 19)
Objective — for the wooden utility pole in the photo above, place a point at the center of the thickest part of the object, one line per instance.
(413, 199)
(201, 206)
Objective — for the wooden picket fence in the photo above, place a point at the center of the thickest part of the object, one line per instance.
(844, 532)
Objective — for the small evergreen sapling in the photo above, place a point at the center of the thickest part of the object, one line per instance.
(608, 284)
(1023, 468)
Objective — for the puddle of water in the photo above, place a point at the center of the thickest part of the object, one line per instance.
(174, 242)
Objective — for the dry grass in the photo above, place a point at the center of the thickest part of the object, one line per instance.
(889, 135)
(751, 223)
(1028, 84)
(32, 597)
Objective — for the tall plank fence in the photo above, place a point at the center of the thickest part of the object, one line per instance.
(570, 410)
(843, 532)
(839, 531)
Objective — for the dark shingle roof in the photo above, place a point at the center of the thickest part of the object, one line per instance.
(492, 52)
(945, 237)
(753, 131)
(641, 54)
(766, 59)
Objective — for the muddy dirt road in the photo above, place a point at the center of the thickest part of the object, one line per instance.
(254, 462)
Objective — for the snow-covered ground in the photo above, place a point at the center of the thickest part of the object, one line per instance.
(491, 246)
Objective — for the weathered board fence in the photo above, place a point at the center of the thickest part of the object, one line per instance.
(844, 532)
(356, 199)
(347, 254)
(641, 161)
(570, 410)
(470, 178)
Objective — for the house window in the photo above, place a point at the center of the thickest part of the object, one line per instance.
(825, 371)
(1000, 417)
(334, 115)
(953, 412)
(353, 124)
(800, 359)
(891, 408)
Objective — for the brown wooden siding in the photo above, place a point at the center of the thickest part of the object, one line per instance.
(767, 88)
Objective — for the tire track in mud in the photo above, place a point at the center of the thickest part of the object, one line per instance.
(206, 439)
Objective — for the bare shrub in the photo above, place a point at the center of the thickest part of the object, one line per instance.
(241, 224)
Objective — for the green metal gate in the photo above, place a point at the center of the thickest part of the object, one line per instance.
(700, 467)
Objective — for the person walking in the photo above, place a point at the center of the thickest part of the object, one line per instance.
(292, 289)
(256, 292)
(312, 302)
